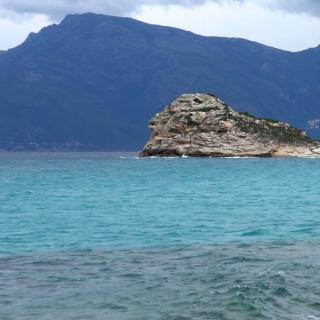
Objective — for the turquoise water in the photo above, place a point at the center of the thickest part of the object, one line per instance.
(109, 236)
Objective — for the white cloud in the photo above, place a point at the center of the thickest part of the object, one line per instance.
(292, 25)
(290, 31)
(13, 31)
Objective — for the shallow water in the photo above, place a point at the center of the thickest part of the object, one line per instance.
(109, 236)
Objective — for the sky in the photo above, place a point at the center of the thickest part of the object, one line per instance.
(286, 24)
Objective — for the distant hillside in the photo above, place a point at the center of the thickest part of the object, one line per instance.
(94, 82)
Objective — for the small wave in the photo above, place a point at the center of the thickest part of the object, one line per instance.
(253, 233)
(130, 157)
(174, 278)
(237, 157)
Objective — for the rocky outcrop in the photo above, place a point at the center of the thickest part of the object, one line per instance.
(200, 125)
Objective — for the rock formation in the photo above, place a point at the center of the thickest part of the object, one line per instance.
(201, 125)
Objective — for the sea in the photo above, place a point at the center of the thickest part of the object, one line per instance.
(109, 236)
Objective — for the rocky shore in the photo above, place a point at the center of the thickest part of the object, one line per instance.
(201, 125)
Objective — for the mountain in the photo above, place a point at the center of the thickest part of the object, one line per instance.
(93, 82)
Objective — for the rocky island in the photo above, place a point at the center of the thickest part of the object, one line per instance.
(201, 125)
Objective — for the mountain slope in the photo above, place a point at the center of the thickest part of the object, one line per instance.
(94, 81)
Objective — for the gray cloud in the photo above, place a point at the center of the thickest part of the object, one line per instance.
(311, 7)
(58, 8)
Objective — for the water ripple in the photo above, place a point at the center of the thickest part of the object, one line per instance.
(218, 282)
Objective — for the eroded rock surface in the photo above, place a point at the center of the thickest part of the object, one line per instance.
(201, 125)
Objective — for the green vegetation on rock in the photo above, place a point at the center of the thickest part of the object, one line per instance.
(202, 125)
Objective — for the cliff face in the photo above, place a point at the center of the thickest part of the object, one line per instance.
(202, 125)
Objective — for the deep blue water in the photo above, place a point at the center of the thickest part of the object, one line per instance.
(109, 236)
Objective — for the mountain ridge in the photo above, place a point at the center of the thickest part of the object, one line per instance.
(74, 16)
